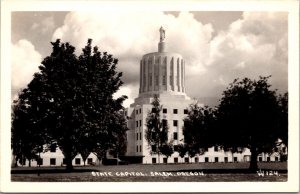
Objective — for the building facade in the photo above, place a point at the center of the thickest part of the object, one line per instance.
(162, 74)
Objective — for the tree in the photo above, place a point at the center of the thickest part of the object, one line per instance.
(25, 138)
(119, 146)
(157, 129)
(167, 150)
(198, 130)
(72, 98)
(283, 118)
(247, 117)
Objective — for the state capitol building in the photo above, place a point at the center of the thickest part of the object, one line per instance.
(162, 73)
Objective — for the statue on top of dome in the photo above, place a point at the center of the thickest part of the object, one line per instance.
(162, 34)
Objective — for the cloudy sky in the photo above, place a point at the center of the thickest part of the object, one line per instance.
(217, 46)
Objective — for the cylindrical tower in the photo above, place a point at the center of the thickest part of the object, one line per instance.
(161, 71)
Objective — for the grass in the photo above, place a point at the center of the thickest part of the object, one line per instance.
(202, 172)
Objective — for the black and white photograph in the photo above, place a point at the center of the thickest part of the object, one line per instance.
(107, 95)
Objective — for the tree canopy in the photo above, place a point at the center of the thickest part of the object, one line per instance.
(198, 130)
(71, 102)
(249, 117)
(157, 130)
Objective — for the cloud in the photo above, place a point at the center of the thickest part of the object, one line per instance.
(253, 45)
(129, 35)
(25, 62)
(44, 26)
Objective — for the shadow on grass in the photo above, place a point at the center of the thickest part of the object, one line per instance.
(47, 171)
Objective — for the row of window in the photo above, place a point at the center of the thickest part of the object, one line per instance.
(138, 123)
(175, 111)
(138, 111)
(164, 122)
(139, 136)
(165, 110)
(40, 161)
(137, 148)
(207, 159)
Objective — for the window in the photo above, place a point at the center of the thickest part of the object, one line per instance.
(175, 111)
(52, 161)
(175, 160)
(175, 136)
(153, 148)
(136, 112)
(175, 123)
(137, 124)
(77, 161)
(260, 159)
(165, 160)
(216, 159)
(140, 110)
(276, 159)
(185, 111)
(196, 160)
(39, 161)
(140, 121)
(175, 148)
(186, 160)
(153, 160)
(140, 135)
(225, 159)
(216, 148)
(235, 159)
(137, 136)
(137, 148)
(268, 159)
(165, 122)
(206, 159)
(53, 147)
(90, 160)
(165, 110)
(140, 148)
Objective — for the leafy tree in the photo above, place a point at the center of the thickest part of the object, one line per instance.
(198, 130)
(247, 117)
(283, 118)
(119, 146)
(72, 98)
(157, 129)
(26, 138)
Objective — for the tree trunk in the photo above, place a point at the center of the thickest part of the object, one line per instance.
(29, 164)
(69, 165)
(16, 161)
(253, 162)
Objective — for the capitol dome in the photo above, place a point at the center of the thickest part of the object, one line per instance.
(162, 72)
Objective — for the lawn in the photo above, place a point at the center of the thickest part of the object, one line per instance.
(202, 172)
